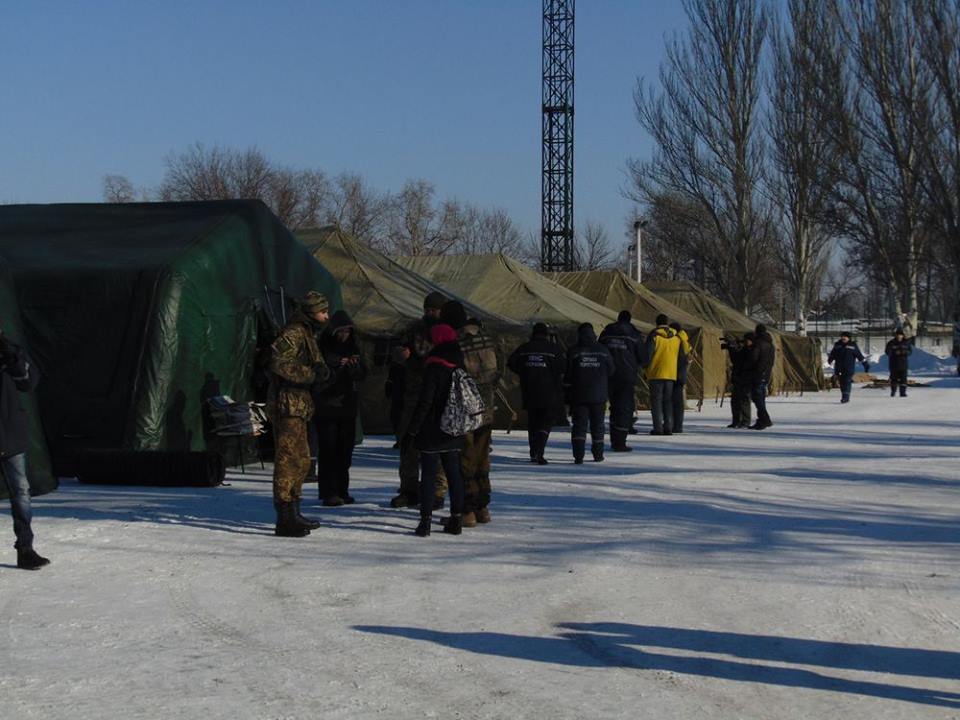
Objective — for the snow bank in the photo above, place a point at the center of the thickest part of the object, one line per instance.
(920, 362)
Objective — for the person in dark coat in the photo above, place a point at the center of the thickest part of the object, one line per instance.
(336, 404)
(627, 349)
(741, 379)
(898, 353)
(764, 354)
(844, 357)
(540, 363)
(586, 381)
(411, 355)
(17, 375)
(435, 447)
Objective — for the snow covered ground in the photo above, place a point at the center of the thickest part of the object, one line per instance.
(808, 571)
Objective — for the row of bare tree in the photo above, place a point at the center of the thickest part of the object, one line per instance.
(412, 221)
(779, 138)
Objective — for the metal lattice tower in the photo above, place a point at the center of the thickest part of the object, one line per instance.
(556, 233)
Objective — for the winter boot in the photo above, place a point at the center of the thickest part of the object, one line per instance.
(541, 460)
(453, 526)
(287, 525)
(483, 515)
(28, 559)
(579, 449)
(893, 390)
(469, 520)
(423, 529)
(403, 500)
(333, 501)
(309, 523)
(903, 391)
(597, 449)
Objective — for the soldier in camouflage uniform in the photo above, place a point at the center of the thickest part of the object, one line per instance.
(480, 362)
(411, 355)
(295, 364)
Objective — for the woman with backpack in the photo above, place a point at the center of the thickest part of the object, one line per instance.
(436, 446)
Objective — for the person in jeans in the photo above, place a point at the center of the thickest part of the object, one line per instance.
(17, 375)
(664, 350)
(435, 447)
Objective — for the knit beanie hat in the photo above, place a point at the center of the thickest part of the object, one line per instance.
(313, 302)
(453, 314)
(624, 316)
(442, 333)
(434, 301)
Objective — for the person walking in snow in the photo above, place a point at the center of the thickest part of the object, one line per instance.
(17, 375)
(586, 382)
(663, 351)
(433, 445)
(626, 347)
(844, 357)
(898, 352)
(337, 403)
(539, 363)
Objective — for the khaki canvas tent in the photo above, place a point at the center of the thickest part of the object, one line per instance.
(508, 287)
(617, 291)
(383, 299)
(137, 313)
(798, 366)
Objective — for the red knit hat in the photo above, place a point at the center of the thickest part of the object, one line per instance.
(442, 333)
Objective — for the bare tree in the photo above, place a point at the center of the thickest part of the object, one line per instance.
(708, 148)
(358, 209)
(201, 173)
(118, 189)
(873, 69)
(592, 249)
(939, 25)
(801, 154)
(677, 239)
(416, 227)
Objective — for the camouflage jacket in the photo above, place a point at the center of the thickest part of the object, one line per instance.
(295, 364)
(480, 362)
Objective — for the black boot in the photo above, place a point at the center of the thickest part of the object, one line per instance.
(903, 391)
(287, 525)
(403, 500)
(29, 559)
(309, 523)
(453, 526)
(579, 448)
(423, 529)
(597, 452)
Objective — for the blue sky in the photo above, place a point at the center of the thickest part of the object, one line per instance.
(443, 90)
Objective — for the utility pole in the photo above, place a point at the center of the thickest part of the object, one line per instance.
(556, 229)
(638, 227)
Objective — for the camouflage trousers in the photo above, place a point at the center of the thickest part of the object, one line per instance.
(291, 459)
(475, 469)
(410, 472)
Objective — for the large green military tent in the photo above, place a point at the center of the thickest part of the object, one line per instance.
(39, 470)
(617, 291)
(798, 366)
(137, 313)
(384, 299)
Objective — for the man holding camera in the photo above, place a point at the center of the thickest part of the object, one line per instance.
(296, 364)
(18, 376)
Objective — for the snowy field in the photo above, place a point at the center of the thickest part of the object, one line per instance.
(808, 571)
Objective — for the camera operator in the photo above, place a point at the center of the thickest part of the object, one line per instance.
(741, 378)
(18, 376)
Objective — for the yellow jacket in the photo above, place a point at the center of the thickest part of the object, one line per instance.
(663, 350)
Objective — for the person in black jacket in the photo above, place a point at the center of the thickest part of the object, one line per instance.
(336, 406)
(741, 378)
(589, 369)
(539, 363)
(898, 352)
(17, 375)
(761, 362)
(436, 447)
(844, 357)
(627, 349)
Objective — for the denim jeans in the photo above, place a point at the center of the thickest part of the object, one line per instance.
(759, 396)
(15, 476)
(661, 405)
